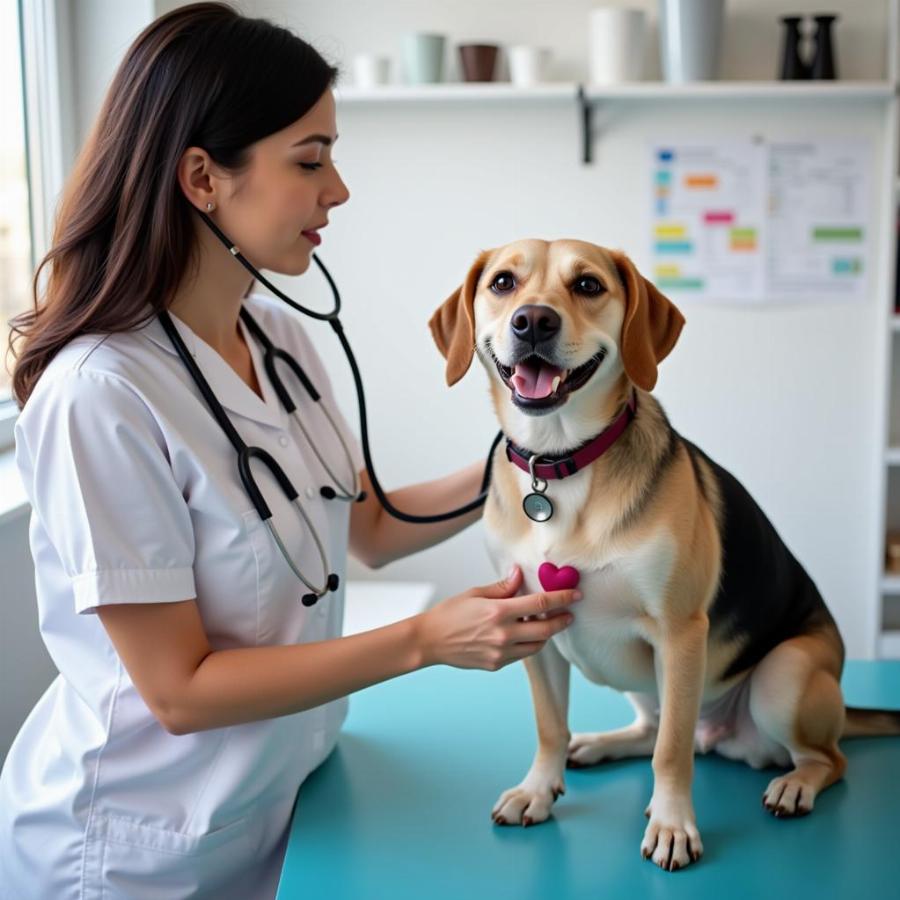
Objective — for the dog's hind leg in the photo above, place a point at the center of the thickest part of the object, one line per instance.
(795, 698)
(529, 802)
(636, 739)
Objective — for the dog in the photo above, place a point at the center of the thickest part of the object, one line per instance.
(693, 605)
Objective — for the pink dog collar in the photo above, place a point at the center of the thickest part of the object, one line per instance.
(563, 466)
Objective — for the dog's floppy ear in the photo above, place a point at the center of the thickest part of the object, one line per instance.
(651, 327)
(453, 323)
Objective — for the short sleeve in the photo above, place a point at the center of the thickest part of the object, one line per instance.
(95, 466)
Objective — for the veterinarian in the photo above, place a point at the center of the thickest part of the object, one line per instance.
(202, 672)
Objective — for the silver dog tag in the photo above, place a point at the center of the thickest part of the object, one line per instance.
(537, 507)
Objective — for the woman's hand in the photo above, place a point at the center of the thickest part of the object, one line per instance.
(483, 627)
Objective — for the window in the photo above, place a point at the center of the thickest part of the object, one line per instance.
(16, 245)
(36, 103)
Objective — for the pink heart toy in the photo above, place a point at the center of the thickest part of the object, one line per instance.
(553, 579)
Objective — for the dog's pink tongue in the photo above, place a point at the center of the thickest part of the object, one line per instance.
(534, 381)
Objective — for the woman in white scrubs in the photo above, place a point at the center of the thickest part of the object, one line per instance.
(196, 692)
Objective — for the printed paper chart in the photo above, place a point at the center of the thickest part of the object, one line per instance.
(760, 221)
(818, 213)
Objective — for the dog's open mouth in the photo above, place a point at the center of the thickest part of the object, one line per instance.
(538, 384)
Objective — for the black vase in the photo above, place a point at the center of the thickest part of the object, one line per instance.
(823, 64)
(792, 65)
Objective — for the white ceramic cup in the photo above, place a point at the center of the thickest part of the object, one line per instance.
(618, 37)
(528, 65)
(370, 70)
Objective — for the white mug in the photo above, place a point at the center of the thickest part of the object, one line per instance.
(528, 65)
(370, 69)
(617, 40)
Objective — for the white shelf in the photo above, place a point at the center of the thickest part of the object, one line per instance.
(394, 93)
(746, 90)
(640, 90)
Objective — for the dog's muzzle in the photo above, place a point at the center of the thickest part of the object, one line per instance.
(540, 384)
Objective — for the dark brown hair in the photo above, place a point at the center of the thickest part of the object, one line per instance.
(202, 75)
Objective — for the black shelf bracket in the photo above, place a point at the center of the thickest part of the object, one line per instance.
(586, 111)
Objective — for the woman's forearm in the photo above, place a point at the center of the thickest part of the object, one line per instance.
(396, 538)
(230, 687)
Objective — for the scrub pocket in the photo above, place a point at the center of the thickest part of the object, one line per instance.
(281, 616)
(124, 859)
(270, 607)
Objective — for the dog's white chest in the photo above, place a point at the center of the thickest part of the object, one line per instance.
(621, 585)
(604, 641)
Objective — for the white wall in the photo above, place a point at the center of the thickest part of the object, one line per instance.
(782, 396)
(787, 398)
(101, 32)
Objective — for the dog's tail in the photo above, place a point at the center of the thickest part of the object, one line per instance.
(871, 722)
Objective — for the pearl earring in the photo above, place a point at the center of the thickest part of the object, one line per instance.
(210, 207)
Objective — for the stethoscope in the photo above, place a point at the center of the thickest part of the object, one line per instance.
(245, 453)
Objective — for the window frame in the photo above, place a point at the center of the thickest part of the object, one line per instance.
(46, 56)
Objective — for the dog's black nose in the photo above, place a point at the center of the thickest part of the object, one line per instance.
(535, 324)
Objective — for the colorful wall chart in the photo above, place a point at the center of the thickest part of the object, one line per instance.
(760, 221)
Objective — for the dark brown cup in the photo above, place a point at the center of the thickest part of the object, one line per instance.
(478, 61)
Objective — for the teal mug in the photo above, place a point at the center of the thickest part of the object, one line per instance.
(423, 57)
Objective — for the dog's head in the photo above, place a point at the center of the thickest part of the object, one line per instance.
(550, 319)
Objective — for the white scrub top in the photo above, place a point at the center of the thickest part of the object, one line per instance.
(136, 498)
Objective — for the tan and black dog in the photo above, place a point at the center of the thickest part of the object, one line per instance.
(692, 604)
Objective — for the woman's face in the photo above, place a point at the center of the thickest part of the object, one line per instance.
(275, 207)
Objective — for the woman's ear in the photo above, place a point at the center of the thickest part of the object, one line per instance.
(453, 323)
(651, 327)
(195, 177)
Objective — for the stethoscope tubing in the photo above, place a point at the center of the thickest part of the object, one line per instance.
(246, 453)
(270, 354)
(333, 320)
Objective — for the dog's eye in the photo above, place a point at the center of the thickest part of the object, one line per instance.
(588, 286)
(503, 283)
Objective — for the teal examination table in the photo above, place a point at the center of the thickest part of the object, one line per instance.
(401, 808)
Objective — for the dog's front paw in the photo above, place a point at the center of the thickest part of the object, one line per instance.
(671, 838)
(527, 803)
